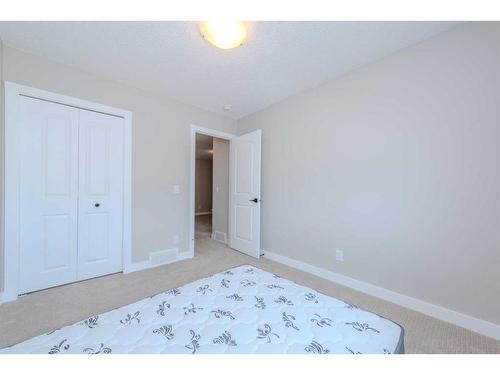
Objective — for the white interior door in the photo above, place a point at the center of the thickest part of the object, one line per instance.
(48, 194)
(244, 193)
(100, 211)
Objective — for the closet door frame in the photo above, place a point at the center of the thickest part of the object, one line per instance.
(11, 210)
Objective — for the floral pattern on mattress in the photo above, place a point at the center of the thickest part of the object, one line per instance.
(241, 310)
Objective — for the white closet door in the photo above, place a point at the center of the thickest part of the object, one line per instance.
(100, 202)
(48, 194)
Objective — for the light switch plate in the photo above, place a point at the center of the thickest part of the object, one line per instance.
(176, 189)
(339, 255)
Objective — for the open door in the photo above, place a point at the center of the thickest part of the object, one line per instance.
(244, 193)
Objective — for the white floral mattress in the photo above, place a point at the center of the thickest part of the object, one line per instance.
(241, 310)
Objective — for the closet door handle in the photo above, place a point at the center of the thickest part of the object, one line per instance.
(97, 204)
(255, 200)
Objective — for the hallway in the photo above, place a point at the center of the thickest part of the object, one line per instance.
(203, 225)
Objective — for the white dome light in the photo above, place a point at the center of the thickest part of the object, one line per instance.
(224, 34)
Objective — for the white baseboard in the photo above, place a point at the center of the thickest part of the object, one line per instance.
(134, 267)
(202, 213)
(185, 255)
(474, 324)
(147, 264)
(137, 266)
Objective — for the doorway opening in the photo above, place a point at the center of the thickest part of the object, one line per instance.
(204, 200)
(236, 198)
(210, 190)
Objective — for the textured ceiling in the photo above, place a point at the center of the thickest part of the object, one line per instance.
(279, 59)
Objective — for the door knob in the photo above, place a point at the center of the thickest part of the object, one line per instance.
(255, 200)
(97, 204)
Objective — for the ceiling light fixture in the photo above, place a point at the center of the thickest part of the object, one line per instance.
(224, 34)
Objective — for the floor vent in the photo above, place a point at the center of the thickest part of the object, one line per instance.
(163, 257)
(219, 236)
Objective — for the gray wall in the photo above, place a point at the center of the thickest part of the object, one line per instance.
(160, 142)
(396, 164)
(203, 186)
(220, 186)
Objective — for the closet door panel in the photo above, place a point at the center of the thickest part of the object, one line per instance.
(48, 194)
(100, 194)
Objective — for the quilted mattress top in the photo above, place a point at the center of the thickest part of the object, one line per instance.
(241, 310)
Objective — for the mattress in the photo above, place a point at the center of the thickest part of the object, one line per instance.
(241, 310)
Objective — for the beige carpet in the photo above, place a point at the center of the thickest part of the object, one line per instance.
(49, 309)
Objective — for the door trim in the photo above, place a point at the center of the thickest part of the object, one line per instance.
(13, 92)
(192, 174)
